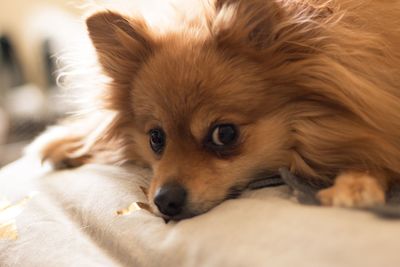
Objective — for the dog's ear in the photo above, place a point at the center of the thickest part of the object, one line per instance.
(122, 44)
(244, 23)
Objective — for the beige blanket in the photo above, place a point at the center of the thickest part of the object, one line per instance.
(72, 221)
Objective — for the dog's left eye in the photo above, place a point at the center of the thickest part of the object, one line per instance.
(157, 140)
(223, 135)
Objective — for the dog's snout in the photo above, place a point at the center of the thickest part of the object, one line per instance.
(170, 199)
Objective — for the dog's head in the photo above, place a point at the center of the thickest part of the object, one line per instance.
(201, 104)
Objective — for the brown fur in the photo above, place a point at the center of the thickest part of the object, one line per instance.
(312, 85)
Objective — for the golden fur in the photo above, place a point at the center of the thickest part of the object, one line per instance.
(312, 85)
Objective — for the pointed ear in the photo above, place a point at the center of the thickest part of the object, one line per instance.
(244, 23)
(122, 44)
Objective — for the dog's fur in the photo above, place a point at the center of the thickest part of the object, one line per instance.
(312, 85)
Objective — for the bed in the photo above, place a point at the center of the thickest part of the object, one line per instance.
(70, 219)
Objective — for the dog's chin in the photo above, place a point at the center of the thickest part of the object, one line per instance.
(185, 214)
(233, 193)
(178, 217)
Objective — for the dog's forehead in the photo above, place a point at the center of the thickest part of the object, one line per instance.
(179, 81)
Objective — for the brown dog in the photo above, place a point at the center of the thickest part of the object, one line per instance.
(246, 88)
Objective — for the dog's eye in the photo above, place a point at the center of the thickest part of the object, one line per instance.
(223, 135)
(157, 140)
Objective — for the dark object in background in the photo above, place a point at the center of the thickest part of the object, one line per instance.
(49, 63)
(10, 69)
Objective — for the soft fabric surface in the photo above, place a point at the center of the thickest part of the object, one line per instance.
(72, 221)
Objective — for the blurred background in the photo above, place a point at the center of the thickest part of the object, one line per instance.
(32, 34)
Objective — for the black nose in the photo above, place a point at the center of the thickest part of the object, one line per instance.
(170, 199)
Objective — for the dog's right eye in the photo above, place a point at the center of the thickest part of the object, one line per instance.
(222, 139)
(223, 135)
(157, 140)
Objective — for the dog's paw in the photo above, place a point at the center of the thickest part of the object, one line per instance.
(353, 189)
(60, 148)
(65, 153)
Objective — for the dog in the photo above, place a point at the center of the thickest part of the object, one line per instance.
(242, 89)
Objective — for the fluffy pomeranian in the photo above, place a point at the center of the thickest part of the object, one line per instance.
(242, 89)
